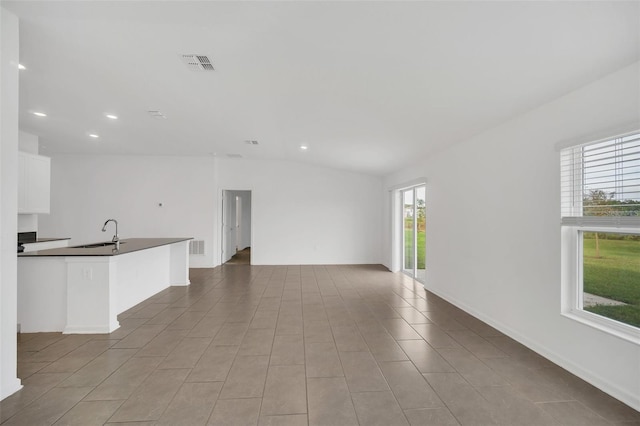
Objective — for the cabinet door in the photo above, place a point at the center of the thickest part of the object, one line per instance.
(38, 181)
(33, 183)
(22, 182)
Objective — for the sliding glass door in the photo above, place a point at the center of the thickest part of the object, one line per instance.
(414, 232)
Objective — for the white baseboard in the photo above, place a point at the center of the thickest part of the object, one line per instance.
(13, 387)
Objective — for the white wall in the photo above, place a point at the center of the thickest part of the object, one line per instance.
(304, 214)
(301, 214)
(493, 227)
(28, 142)
(9, 383)
(87, 190)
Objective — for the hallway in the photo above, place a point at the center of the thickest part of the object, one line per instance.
(298, 345)
(242, 257)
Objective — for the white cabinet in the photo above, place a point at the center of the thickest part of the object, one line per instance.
(34, 180)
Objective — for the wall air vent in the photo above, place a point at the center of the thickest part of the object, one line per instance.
(234, 155)
(154, 113)
(196, 247)
(197, 62)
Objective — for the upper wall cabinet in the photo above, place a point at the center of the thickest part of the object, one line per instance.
(34, 180)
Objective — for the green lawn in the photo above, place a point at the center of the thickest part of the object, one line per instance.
(408, 242)
(615, 275)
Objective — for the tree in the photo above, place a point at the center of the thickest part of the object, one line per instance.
(598, 203)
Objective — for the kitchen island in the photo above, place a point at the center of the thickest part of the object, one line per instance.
(82, 289)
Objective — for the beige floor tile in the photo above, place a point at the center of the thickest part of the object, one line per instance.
(471, 367)
(150, 311)
(93, 373)
(121, 384)
(348, 338)
(47, 409)
(236, 412)
(79, 357)
(378, 408)
(140, 336)
(510, 407)
(435, 336)
(424, 357)
(412, 316)
(362, 372)
(384, 347)
(287, 420)
(257, 342)
(289, 322)
(89, 413)
(59, 348)
(464, 402)
(330, 402)
(246, 378)
(288, 350)
(207, 327)
(187, 354)
(572, 413)
(26, 369)
(187, 321)
(431, 417)
(476, 344)
(167, 316)
(285, 391)
(400, 329)
(350, 344)
(192, 405)
(214, 364)
(151, 398)
(230, 334)
(33, 387)
(162, 344)
(321, 360)
(317, 331)
(409, 386)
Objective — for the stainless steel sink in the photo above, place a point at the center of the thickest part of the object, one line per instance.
(96, 245)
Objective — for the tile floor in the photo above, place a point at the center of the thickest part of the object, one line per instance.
(318, 345)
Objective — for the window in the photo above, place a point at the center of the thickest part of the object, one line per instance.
(600, 190)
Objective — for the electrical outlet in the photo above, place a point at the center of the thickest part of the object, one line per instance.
(87, 273)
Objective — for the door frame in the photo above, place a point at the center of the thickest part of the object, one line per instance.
(220, 234)
(397, 224)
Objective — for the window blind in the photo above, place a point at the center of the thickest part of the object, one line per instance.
(600, 182)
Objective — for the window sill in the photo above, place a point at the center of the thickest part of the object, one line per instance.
(622, 331)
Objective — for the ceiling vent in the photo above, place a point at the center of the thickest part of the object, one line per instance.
(156, 114)
(197, 62)
(251, 142)
(234, 155)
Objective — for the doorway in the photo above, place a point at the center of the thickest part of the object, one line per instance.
(236, 227)
(413, 205)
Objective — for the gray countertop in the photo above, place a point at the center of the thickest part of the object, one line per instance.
(44, 240)
(128, 245)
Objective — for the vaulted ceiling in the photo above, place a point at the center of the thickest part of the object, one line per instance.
(367, 86)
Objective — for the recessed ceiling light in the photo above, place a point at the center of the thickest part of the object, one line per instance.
(40, 114)
(21, 67)
(304, 147)
(111, 116)
(93, 135)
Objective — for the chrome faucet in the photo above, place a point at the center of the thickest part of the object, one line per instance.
(115, 238)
